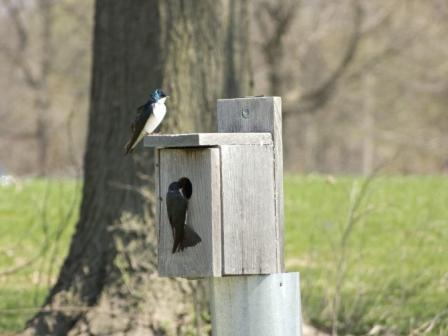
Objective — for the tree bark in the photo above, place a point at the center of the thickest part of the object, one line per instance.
(108, 284)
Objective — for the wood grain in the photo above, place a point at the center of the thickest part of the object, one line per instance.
(259, 114)
(201, 166)
(250, 244)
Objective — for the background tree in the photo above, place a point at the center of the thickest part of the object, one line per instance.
(40, 45)
(37, 80)
(328, 50)
(108, 283)
(315, 54)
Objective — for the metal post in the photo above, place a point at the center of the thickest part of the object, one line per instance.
(256, 305)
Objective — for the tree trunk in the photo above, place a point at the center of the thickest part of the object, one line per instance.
(238, 67)
(368, 125)
(108, 284)
(42, 107)
(41, 88)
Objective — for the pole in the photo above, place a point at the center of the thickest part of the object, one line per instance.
(256, 305)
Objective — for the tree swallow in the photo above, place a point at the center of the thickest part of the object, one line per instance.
(177, 197)
(149, 116)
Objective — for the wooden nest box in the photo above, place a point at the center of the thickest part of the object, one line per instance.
(236, 203)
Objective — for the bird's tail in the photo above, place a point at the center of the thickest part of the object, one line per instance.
(191, 238)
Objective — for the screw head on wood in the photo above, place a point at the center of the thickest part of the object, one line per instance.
(245, 113)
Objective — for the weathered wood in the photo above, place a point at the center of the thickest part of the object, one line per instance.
(250, 243)
(202, 167)
(207, 139)
(259, 114)
(261, 305)
(157, 192)
(236, 206)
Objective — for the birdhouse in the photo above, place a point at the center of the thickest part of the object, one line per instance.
(219, 207)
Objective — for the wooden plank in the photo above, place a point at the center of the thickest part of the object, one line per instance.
(206, 139)
(201, 166)
(259, 114)
(157, 192)
(250, 244)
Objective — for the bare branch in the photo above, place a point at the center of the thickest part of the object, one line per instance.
(319, 97)
(18, 56)
(14, 10)
(393, 50)
(74, 11)
(281, 16)
(45, 9)
(378, 20)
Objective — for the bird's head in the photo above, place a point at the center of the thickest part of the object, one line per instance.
(185, 186)
(158, 95)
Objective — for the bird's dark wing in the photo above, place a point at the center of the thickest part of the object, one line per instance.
(143, 113)
(176, 206)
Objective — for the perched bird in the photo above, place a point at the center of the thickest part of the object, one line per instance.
(149, 116)
(177, 197)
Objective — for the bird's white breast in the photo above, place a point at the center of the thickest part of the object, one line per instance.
(159, 111)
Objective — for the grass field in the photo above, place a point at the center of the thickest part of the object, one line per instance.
(388, 270)
(36, 222)
(373, 259)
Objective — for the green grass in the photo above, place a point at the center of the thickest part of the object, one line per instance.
(36, 222)
(394, 261)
